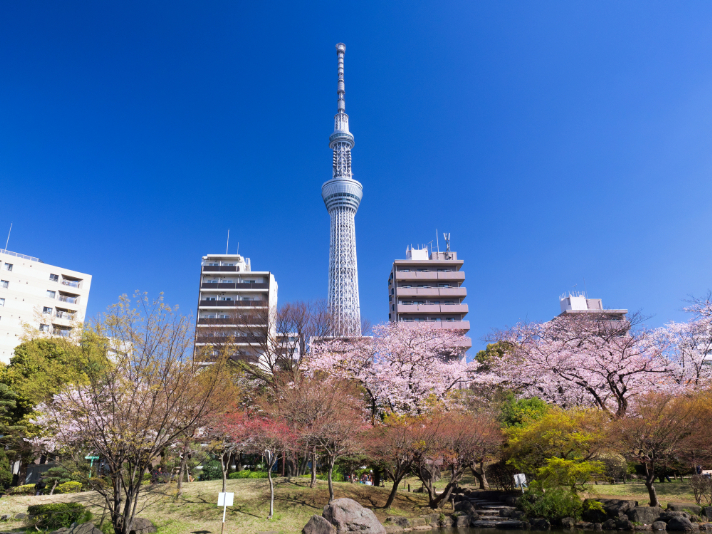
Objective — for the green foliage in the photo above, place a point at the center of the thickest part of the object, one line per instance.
(247, 474)
(27, 489)
(5, 472)
(591, 505)
(73, 469)
(519, 412)
(554, 504)
(212, 470)
(69, 487)
(494, 351)
(57, 515)
(574, 434)
(572, 474)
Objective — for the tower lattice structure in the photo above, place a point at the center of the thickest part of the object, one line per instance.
(342, 196)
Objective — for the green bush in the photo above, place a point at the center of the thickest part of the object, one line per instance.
(57, 515)
(27, 489)
(69, 487)
(247, 474)
(554, 504)
(211, 471)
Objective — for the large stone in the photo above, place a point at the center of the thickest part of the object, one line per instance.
(568, 523)
(319, 525)
(680, 523)
(461, 521)
(609, 525)
(483, 524)
(707, 512)
(682, 507)
(667, 515)
(349, 516)
(540, 524)
(141, 525)
(593, 516)
(392, 520)
(466, 507)
(85, 528)
(616, 508)
(659, 525)
(642, 527)
(645, 514)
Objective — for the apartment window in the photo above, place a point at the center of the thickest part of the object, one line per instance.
(4, 283)
(54, 278)
(2, 302)
(47, 311)
(44, 328)
(8, 266)
(50, 294)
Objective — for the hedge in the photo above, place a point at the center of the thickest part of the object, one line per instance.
(27, 489)
(247, 474)
(69, 487)
(57, 515)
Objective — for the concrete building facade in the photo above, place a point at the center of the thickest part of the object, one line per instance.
(234, 300)
(429, 287)
(579, 304)
(46, 297)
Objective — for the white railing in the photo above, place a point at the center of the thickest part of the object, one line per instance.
(70, 283)
(23, 256)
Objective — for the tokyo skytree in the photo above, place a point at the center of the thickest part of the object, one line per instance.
(342, 196)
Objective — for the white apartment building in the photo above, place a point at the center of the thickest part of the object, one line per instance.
(44, 296)
(235, 301)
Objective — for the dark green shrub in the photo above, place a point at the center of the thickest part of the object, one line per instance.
(69, 487)
(57, 515)
(26, 489)
(211, 471)
(554, 504)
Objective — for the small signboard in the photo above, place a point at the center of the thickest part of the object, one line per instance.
(520, 481)
(225, 499)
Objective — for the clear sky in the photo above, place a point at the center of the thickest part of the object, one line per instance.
(564, 145)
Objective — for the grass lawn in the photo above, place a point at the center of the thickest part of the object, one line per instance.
(196, 511)
(667, 492)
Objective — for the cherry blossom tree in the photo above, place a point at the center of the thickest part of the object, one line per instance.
(586, 359)
(153, 393)
(404, 367)
(689, 346)
(226, 434)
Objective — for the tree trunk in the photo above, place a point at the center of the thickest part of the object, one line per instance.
(331, 485)
(377, 478)
(51, 492)
(650, 484)
(271, 492)
(224, 464)
(394, 491)
(181, 470)
(312, 483)
(238, 461)
(479, 474)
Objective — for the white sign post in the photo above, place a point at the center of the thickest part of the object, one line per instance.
(520, 481)
(224, 500)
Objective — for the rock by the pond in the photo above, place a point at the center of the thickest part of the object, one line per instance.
(705, 526)
(645, 514)
(616, 508)
(667, 515)
(682, 507)
(568, 523)
(624, 524)
(540, 524)
(593, 516)
(642, 527)
(659, 525)
(20, 517)
(481, 523)
(141, 525)
(598, 526)
(319, 525)
(584, 525)
(680, 523)
(349, 516)
(707, 512)
(610, 524)
(466, 507)
(85, 528)
(461, 520)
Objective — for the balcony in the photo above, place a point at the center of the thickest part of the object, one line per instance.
(220, 268)
(417, 275)
(418, 308)
(417, 292)
(70, 283)
(65, 315)
(453, 291)
(458, 276)
(234, 303)
(68, 299)
(218, 321)
(453, 308)
(237, 340)
(235, 285)
(61, 332)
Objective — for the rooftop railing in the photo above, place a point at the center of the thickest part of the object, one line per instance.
(23, 256)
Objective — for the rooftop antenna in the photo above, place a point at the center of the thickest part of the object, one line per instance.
(431, 246)
(8, 237)
(585, 291)
(228, 241)
(447, 241)
(238, 248)
(436, 240)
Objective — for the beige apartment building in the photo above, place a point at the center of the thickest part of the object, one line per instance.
(429, 287)
(46, 297)
(235, 301)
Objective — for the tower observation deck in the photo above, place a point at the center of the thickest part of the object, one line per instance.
(342, 197)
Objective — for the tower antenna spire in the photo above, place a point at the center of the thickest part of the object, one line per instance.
(341, 91)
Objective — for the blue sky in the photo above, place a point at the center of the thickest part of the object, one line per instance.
(564, 145)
